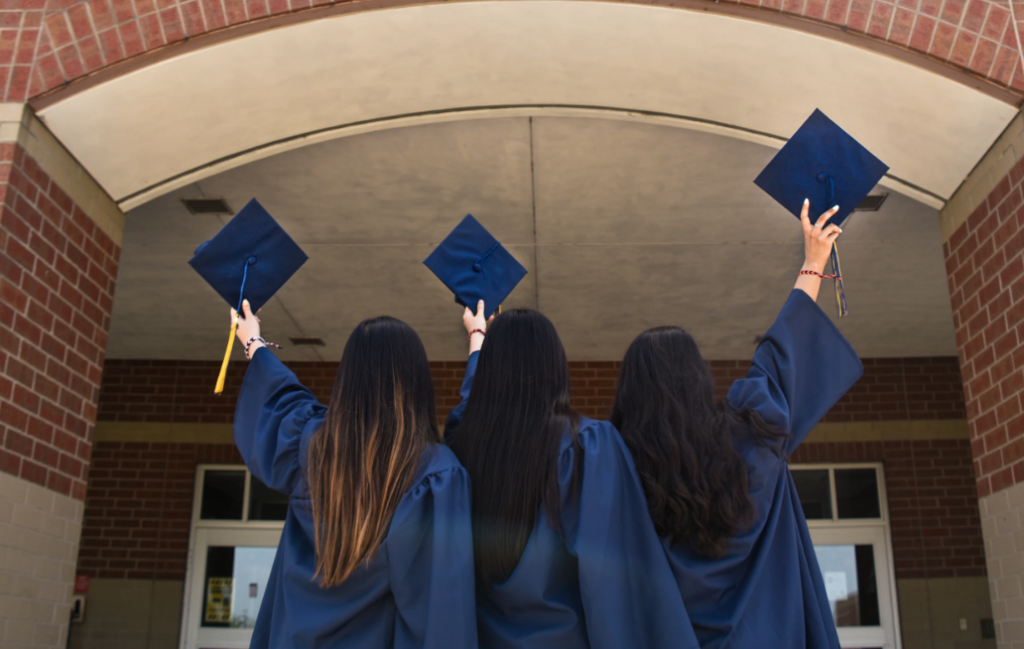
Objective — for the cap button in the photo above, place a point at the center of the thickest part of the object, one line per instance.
(251, 260)
(477, 267)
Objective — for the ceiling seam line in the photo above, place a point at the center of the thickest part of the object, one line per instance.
(533, 201)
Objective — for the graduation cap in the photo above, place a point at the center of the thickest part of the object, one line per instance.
(475, 266)
(823, 164)
(250, 258)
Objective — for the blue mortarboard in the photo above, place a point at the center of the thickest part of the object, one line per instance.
(475, 266)
(252, 254)
(251, 258)
(823, 164)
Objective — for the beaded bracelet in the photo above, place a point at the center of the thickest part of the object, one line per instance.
(259, 338)
(811, 272)
(477, 331)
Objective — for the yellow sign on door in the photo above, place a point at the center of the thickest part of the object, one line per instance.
(218, 600)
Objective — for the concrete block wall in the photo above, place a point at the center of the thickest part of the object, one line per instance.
(1002, 519)
(39, 533)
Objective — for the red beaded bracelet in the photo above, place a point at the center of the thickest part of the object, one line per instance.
(811, 272)
(477, 331)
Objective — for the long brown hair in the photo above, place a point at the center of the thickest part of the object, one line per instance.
(509, 438)
(682, 441)
(366, 453)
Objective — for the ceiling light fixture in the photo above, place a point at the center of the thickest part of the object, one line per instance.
(871, 203)
(207, 206)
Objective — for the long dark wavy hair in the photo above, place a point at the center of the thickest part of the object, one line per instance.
(367, 452)
(682, 441)
(509, 437)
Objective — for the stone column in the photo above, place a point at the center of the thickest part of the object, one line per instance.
(60, 240)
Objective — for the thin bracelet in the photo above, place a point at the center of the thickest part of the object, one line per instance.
(811, 272)
(477, 331)
(259, 338)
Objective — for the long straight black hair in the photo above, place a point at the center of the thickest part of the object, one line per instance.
(510, 434)
(682, 441)
(367, 452)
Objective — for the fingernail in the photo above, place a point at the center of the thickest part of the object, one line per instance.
(840, 229)
(835, 208)
(807, 201)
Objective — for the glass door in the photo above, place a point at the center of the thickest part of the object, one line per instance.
(236, 526)
(847, 514)
(855, 566)
(229, 579)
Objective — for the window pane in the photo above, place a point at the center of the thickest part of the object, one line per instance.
(265, 504)
(815, 494)
(857, 493)
(223, 495)
(850, 584)
(236, 580)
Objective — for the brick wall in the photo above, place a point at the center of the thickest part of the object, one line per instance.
(46, 43)
(985, 267)
(138, 510)
(57, 272)
(933, 507)
(181, 391)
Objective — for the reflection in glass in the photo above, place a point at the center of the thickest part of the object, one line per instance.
(815, 494)
(850, 584)
(236, 581)
(265, 504)
(857, 493)
(223, 495)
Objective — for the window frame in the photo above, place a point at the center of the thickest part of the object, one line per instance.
(881, 525)
(208, 529)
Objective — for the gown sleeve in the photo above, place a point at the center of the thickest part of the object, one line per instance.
(430, 558)
(455, 416)
(801, 368)
(274, 420)
(629, 594)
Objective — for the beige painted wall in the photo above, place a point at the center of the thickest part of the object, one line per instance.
(931, 609)
(130, 614)
(39, 532)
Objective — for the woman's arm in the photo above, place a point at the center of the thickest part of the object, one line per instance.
(476, 326)
(274, 416)
(803, 365)
(818, 240)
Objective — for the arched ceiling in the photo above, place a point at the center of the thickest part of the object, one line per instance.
(189, 117)
(622, 226)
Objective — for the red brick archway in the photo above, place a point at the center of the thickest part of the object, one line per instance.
(45, 44)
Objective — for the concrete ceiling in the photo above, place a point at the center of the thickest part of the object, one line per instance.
(193, 115)
(622, 226)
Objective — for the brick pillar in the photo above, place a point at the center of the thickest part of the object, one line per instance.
(60, 238)
(983, 226)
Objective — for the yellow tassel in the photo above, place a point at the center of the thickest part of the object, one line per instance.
(227, 358)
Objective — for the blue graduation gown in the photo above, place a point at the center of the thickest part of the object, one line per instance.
(767, 590)
(419, 589)
(603, 580)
